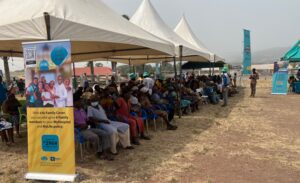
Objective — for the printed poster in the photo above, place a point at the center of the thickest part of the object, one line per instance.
(49, 100)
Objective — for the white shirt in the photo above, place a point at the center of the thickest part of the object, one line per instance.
(62, 93)
(149, 83)
(48, 100)
(97, 113)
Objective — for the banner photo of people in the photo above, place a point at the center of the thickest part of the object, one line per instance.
(49, 99)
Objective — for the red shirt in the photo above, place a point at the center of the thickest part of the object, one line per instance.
(124, 107)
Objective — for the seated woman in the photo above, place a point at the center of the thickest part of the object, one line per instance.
(6, 132)
(146, 104)
(136, 123)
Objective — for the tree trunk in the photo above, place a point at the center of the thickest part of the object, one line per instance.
(6, 69)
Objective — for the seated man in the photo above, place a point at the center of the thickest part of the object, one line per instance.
(194, 98)
(118, 131)
(136, 123)
(99, 138)
(6, 132)
(146, 104)
(158, 99)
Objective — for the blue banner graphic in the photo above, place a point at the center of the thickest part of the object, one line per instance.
(247, 53)
(280, 82)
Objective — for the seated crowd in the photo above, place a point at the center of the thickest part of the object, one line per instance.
(113, 116)
(293, 79)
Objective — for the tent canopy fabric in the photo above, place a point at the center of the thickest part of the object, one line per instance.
(201, 65)
(148, 18)
(293, 55)
(94, 29)
(184, 30)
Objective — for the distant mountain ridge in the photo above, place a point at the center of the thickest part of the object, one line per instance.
(267, 56)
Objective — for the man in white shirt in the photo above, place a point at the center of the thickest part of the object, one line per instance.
(148, 82)
(119, 132)
(61, 93)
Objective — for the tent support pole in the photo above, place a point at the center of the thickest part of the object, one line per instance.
(180, 77)
(91, 63)
(114, 69)
(48, 26)
(175, 69)
(214, 64)
(129, 62)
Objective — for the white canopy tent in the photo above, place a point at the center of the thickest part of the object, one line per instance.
(94, 29)
(184, 30)
(148, 18)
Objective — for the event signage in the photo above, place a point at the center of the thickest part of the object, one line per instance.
(280, 78)
(247, 53)
(50, 117)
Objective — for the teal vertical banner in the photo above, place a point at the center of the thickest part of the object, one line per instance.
(247, 53)
(280, 82)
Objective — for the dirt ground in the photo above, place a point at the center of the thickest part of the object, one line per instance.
(251, 140)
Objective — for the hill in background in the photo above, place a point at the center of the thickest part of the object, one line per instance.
(267, 56)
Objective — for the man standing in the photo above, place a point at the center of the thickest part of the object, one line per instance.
(3, 92)
(225, 84)
(234, 80)
(253, 77)
(61, 93)
(21, 86)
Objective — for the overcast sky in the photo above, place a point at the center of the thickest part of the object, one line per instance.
(219, 23)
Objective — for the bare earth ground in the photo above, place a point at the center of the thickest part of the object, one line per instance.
(251, 140)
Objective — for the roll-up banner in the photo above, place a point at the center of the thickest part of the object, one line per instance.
(50, 117)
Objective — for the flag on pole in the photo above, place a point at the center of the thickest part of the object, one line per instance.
(247, 53)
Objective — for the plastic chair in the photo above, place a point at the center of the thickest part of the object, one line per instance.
(79, 139)
(151, 116)
(145, 118)
(21, 114)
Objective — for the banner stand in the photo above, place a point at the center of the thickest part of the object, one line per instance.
(51, 177)
(50, 112)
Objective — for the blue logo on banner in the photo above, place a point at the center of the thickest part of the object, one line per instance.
(44, 66)
(50, 143)
(58, 55)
